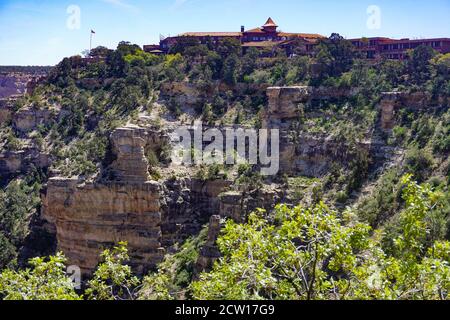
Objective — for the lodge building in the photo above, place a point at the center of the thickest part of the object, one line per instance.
(265, 37)
(373, 48)
(269, 38)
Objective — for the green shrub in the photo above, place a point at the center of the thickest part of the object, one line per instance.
(419, 162)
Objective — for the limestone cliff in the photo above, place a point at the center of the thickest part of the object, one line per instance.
(124, 205)
(17, 162)
(391, 102)
(91, 217)
(151, 216)
(28, 119)
(18, 82)
(312, 154)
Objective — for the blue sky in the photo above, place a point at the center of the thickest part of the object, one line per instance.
(37, 32)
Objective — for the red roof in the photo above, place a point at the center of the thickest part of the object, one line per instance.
(270, 23)
(256, 30)
(211, 34)
(301, 35)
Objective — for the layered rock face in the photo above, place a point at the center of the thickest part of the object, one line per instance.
(17, 83)
(188, 206)
(299, 153)
(388, 104)
(26, 120)
(284, 103)
(150, 216)
(16, 162)
(391, 102)
(312, 155)
(234, 205)
(13, 84)
(130, 164)
(92, 217)
(283, 108)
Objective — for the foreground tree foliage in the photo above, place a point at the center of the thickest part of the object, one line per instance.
(113, 280)
(46, 280)
(294, 253)
(316, 253)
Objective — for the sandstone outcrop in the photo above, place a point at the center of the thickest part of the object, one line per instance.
(391, 102)
(16, 162)
(128, 146)
(313, 154)
(236, 206)
(284, 101)
(233, 205)
(188, 205)
(209, 253)
(28, 119)
(91, 217)
(13, 84)
(151, 216)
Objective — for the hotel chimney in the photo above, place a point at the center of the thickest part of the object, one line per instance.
(242, 28)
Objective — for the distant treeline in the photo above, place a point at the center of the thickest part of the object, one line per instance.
(25, 69)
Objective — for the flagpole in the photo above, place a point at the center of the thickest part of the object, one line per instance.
(90, 44)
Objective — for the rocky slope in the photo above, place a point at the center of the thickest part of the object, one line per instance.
(15, 83)
(123, 204)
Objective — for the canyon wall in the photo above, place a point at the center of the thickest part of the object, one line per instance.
(125, 206)
(190, 95)
(13, 163)
(311, 154)
(16, 83)
(91, 217)
(392, 102)
(13, 84)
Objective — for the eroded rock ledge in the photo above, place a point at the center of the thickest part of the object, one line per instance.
(91, 217)
(391, 102)
(151, 216)
(123, 205)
